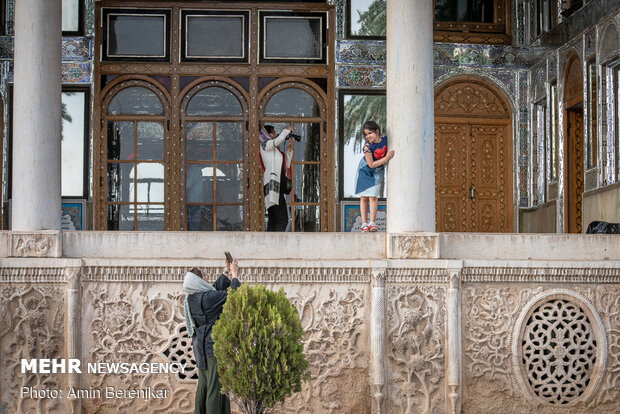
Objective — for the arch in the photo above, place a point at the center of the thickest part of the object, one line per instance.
(213, 155)
(573, 80)
(473, 157)
(310, 199)
(471, 97)
(609, 46)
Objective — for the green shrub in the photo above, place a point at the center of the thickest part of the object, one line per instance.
(258, 348)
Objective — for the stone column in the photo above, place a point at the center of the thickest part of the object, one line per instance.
(410, 116)
(377, 332)
(36, 115)
(74, 323)
(453, 307)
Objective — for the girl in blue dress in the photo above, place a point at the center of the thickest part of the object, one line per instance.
(370, 172)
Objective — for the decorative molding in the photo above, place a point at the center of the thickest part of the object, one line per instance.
(32, 275)
(542, 274)
(413, 246)
(416, 275)
(377, 339)
(35, 244)
(74, 331)
(267, 274)
(559, 349)
(454, 328)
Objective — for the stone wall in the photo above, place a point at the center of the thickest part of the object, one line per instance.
(391, 334)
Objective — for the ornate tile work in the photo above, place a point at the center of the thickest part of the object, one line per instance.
(552, 67)
(76, 72)
(6, 47)
(340, 13)
(361, 76)
(360, 51)
(77, 48)
(589, 43)
(524, 182)
(519, 26)
(491, 56)
(90, 17)
(10, 17)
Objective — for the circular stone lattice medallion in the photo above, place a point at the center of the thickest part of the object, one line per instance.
(559, 349)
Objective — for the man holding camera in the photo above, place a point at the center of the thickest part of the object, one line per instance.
(277, 172)
(203, 305)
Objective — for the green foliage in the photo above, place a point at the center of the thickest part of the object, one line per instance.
(257, 343)
(373, 21)
(359, 109)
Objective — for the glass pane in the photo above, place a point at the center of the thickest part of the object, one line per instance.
(120, 182)
(293, 37)
(357, 110)
(229, 218)
(368, 17)
(229, 183)
(199, 141)
(150, 141)
(214, 101)
(292, 102)
(150, 183)
(150, 217)
(135, 100)
(308, 149)
(464, 11)
(199, 183)
(199, 218)
(73, 109)
(229, 141)
(120, 141)
(70, 15)
(306, 182)
(136, 35)
(119, 217)
(225, 34)
(307, 218)
(592, 142)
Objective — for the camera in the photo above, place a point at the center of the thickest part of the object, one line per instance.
(295, 137)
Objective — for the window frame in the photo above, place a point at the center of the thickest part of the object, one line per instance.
(348, 33)
(86, 170)
(591, 141)
(341, 98)
(244, 14)
(81, 19)
(262, 47)
(496, 33)
(105, 14)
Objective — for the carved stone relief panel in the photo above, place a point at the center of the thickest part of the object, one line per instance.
(535, 349)
(416, 349)
(136, 323)
(335, 321)
(31, 327)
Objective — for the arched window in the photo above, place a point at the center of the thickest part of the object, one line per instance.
(136, 136)
(300, 106)
(212, 151)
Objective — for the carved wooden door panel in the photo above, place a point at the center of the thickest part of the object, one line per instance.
(488, 175)
(473, 159)
(575, 170)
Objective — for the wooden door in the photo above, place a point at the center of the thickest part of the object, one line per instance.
(575, 171)
(473, 159)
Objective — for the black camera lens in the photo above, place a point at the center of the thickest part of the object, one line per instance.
(295, 137)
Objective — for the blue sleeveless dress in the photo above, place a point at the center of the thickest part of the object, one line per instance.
(368, 180)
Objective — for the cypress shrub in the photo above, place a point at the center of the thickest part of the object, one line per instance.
(257, 343)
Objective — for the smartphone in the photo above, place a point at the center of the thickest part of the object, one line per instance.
(229, 258)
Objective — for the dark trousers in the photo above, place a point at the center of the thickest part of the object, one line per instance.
(208, 397)
(277, 216)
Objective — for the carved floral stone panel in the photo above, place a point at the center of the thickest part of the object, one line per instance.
(32, 321)
(415, 350)
(335, 321)
(522, 353)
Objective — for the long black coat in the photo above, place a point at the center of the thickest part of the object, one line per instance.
(205, 308)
